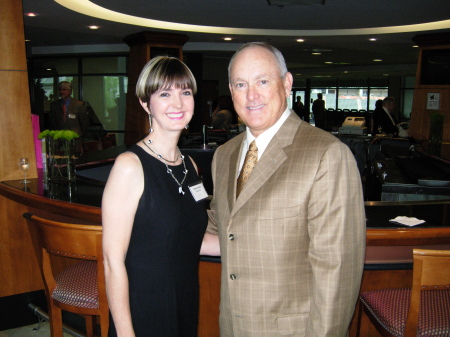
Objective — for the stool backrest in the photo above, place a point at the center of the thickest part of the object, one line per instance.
(431, 272)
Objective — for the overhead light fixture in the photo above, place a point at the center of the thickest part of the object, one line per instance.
(316, 53)
(377, 60)
(93, 27)
(415, 46)
(228, 38)
(372, 39)
(30, 14)
(300, 40)
(329, 62)
(282, 3)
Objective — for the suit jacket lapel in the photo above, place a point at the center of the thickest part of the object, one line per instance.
(270, 161)
(233, 171)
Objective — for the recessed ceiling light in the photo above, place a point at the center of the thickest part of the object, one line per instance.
(372, 39)
(377, 60)
(94, 27)
(300, 40)
(227, 38)
(316, 53)
(329, 62)
(31, 14)
(415, 46)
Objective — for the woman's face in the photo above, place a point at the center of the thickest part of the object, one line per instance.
(172, 109)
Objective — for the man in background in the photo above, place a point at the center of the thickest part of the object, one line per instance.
(318, 109)
(383, 119)
(68, 113)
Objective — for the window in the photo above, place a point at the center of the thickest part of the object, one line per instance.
(100, 81)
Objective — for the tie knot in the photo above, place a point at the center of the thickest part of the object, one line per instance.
(252, 146)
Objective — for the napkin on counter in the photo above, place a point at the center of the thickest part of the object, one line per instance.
(407, 221)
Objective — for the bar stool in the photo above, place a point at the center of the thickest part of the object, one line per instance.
(423, 310)
(79, 287)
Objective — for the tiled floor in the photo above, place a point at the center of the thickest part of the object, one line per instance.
(29, 330)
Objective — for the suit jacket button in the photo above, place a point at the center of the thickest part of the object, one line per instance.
(231, 237)
(233, 277)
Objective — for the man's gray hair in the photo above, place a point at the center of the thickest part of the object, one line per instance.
(280, 59)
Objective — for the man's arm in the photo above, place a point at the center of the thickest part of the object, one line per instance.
(337, 242)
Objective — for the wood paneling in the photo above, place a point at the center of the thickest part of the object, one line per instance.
(420, 120)
(12, 41)
(208, 318)
(18, 265)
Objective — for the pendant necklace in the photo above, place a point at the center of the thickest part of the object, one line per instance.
(169, 171)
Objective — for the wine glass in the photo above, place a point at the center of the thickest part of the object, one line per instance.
(24, 165)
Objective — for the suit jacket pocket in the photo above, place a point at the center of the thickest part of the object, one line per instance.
(293, 325)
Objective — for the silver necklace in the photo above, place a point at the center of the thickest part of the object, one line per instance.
(169, 171)
(160, 155)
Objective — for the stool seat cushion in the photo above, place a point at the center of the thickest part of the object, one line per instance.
(390, 308)
(77, 285)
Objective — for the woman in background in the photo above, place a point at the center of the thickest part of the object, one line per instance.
(153, 224)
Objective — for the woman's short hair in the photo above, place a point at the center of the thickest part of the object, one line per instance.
(163, 72)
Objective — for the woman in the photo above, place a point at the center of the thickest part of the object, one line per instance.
(153, 224)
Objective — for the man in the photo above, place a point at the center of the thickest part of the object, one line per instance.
(318, 109)
(292, 242)
(67, 113)
(300, 110)
(383, 119)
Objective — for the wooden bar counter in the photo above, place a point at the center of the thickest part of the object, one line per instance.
(388, 254)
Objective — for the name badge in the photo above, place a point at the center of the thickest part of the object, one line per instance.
(72, 116)
(198, 191)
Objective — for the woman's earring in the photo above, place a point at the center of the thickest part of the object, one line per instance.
(150, 130)
(187, 126)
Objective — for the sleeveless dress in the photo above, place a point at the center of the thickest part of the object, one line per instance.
(163, 255)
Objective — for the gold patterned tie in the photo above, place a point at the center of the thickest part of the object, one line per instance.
(251, 158)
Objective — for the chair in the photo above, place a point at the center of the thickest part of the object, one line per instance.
(423, 310)
(79, 287)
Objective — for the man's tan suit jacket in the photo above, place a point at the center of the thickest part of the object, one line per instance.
(293, 243)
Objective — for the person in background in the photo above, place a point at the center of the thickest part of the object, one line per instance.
(68, 113)
(318, 109)
(154, 215)
(300, 109)
(383, 119)
(223, 115)
(289, 212)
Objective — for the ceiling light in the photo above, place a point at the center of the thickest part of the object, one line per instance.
(377, 60)
(415, 46)
(300, 40)
(30, 14)
(227, 38)
(372, 39)
(316, 53)
(329, 62)
(93, 27)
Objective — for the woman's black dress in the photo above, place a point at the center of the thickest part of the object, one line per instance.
(163, 255)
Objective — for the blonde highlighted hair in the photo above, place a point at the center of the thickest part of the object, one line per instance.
(163, 72)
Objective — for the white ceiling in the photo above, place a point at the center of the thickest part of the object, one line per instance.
(339, 29)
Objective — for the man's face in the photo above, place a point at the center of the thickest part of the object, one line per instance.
(258, 91)
(64, 93)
